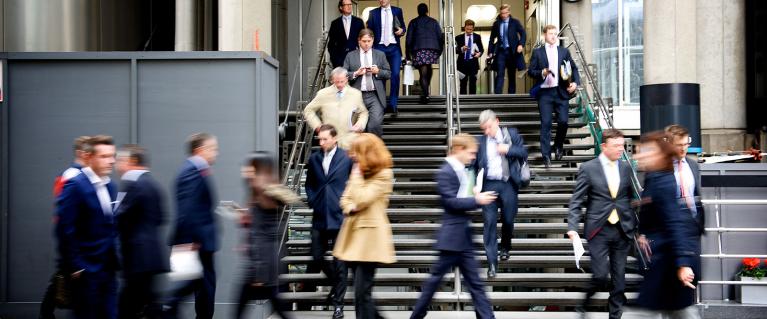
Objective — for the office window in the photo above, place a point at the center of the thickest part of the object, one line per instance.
(618, 49)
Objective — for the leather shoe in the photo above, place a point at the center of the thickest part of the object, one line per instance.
(547, 162)
(558, 153)
(491, 271)
(338, 313)
(504, 254)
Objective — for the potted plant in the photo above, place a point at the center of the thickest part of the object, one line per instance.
(751, 270)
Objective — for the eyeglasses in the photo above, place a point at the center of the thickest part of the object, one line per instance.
(346, 4)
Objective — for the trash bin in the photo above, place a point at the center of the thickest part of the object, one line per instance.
(671, 103)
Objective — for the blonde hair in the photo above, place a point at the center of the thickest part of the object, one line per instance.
(504, 6)
(371, 154)
(462, 141)
(548, 27)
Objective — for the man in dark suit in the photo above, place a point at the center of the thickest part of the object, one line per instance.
(454, 236)
(195, 222)
(342, 36)
(687, 174)
(604, 187)
(388, 25)
(507, 41)
(326, 176)
(368, 69)
(48, 305)
(86, 232)
(468, 48)
(501, 155)
(139, 217)
(554, 92)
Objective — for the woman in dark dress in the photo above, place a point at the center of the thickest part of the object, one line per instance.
(668, 238)
(267, 198)
(423, 46)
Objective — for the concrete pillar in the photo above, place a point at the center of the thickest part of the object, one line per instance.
(721, 64)
(578, 14)
(670, 38)
(245, 25)
(186, 25)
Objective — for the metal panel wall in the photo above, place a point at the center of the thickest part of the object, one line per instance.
(154, 99)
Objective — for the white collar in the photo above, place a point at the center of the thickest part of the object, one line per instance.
(551, 46)
(332, 152)
(93, 178)
(346, 16)
(498, 135)
(604, 160)
(455, 164)
(133, 175)
(199, 162)
(387, 7)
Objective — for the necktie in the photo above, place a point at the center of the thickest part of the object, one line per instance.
(367, 81)
(467, 54)
(346, 26)
(611, 183)
(504, 36)
(340, 95)
(387, 28)
(468, 173)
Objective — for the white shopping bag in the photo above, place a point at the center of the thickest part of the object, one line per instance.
(184, 263)
(408, 77)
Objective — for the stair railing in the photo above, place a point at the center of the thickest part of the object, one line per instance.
(452, 99)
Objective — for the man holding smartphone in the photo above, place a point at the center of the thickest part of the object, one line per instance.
(368, 69)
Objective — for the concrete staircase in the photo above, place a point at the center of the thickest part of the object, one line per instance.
(541, 273)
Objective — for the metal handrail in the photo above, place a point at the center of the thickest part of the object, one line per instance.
(452, 98)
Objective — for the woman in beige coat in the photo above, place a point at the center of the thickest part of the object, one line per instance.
(365, 238)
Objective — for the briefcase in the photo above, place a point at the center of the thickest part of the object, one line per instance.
(62, 284)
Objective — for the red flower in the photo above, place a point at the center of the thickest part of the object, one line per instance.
(751, 263)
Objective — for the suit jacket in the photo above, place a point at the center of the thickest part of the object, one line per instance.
(674, 240)
(374, 23)
(516, 35)
(540, 61)
(323, 192)
(514, 157)
(85, 233)
(455, 233)
(470, 67)
(700, 218)
(139, 217)
(338, 44)
(352, 63)
(195, 201)
(366, 235)
(591, 191)
(325, 108)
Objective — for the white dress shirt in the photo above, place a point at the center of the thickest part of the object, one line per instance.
(131, 175)
(327, 158)
(689, 182)
(347, 20)
(366, 60)
(552, 55)
(494, 160)
(387, 26)
(199, 162)
(612, 173)
(100, 184)
(460, 170)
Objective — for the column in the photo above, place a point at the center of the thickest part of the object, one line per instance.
(245, 25)
(186, 25)
(578, 14)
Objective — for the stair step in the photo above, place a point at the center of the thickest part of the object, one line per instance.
(433, 200)
(420, 228)
(447, 314)
(435, 213)
(516, 243)
(469, 116)
(537, 185)
(428, 173)
(513, 262)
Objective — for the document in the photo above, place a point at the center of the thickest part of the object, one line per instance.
(578, 250)
(480, 179)
(184, 263)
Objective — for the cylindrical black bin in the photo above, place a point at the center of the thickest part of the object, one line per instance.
(671, 103)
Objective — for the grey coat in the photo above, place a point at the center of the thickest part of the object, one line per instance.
(352, 63)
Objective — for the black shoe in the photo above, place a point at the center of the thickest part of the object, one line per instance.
(491, 271)
(547, 162)
(423, 99)
(338, 313)
(581, 310)
(504, 254)
(558, 153)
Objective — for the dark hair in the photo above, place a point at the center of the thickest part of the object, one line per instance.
(676, 130)
(136, 153)
(340, 5)
(365, 32)
(196, 141)
(468, 22)
(80, 143)
(260, 160)
(610, 133)
(329, 128)
(666, 149)
(423, 9)
(90, 146)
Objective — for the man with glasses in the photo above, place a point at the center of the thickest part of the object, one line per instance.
(342, 36)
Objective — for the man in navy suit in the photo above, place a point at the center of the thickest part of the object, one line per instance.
(388, 26)
(342, 36)
(139, 217)
(195, 222)
(554, 93)
(501, 155)
(454, 236)
(468, 57)
(507, 40)
(86, 232)
(326, 177)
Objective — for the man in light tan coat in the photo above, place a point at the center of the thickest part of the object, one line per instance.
(339, 105)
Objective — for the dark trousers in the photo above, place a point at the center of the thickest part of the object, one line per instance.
(48, 305)
(322, 241)
(468, 266)
(250, 292)
(507, 202)
(506, 60)
(364, 305)
(549, 102)
(375, 113)
(95, 295)
(204, 290)
(609, 249)
(138, 298)
(394, 57)
(471, 82)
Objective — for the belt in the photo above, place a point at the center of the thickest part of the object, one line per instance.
(371, 91)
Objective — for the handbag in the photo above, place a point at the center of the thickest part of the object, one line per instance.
(62, 287)
(524, 169)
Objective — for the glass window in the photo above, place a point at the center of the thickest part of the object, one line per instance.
(618, 49)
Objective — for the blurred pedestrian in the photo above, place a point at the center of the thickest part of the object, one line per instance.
(424, 44)
(365, 239)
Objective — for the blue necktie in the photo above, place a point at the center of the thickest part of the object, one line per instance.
(467, 54)
(504, 36)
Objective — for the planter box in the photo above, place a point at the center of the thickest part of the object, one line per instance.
(752, 294)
